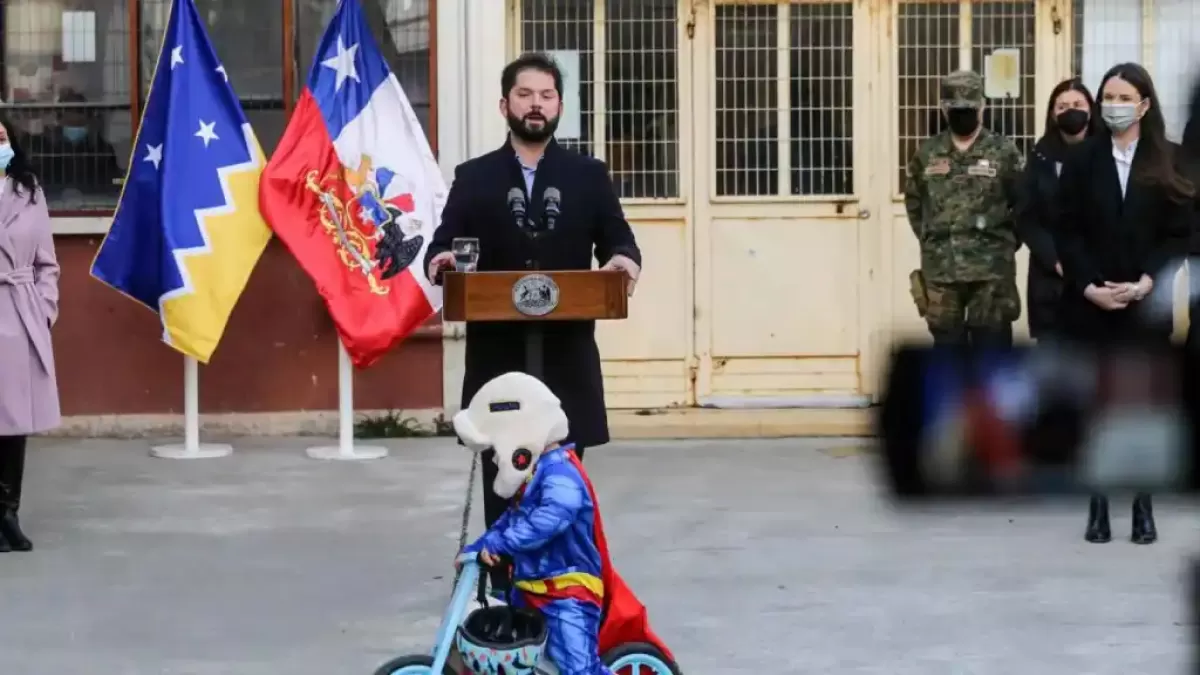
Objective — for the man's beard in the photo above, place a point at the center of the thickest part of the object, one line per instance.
(521, 129)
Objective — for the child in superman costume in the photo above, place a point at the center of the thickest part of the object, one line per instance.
(552, 530)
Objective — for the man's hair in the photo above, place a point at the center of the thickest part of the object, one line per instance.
(530, 61)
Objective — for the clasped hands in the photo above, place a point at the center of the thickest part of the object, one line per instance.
(1118, 295)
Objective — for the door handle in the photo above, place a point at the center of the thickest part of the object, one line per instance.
(864, 214)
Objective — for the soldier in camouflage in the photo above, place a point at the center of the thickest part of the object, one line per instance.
(960, 194)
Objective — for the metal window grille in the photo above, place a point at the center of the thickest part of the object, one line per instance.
(927, 47)
(62, 74)
(621, 104)
(249, 39)
(1008, 25)
(784, 96)
(935, 38)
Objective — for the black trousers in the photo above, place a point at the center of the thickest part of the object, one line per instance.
(12, 471)
(494, 506)
(998, 336)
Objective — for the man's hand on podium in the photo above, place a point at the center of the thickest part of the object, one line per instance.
(626, 265)
(440, 262)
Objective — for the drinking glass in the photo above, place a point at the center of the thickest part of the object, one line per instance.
(466, 253)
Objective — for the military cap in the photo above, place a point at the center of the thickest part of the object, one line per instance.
(962, 89)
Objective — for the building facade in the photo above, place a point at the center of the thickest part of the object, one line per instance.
(758, 147)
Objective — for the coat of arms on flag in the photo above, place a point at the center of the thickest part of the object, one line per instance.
(370, 216)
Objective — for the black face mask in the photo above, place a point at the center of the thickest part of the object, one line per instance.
(1072, 121)
(962, 121)
(521, 129)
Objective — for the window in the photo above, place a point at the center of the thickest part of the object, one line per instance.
(73, 89)
(401, 28)
(1108, 32)
(66, 87)
(248, 38)
(767, 145)
(931, 42)
(621, 97)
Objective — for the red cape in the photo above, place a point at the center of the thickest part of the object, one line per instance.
(625, 617)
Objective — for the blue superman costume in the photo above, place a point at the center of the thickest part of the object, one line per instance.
(553, 530)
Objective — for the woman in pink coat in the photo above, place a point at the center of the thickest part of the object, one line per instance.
(28, 309)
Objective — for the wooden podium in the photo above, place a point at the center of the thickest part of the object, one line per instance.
(534, 296)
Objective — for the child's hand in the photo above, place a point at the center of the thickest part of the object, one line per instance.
(487, 558)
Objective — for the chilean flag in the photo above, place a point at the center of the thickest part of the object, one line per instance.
(354, 192)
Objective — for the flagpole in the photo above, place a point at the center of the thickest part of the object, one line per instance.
(192, 448)
(345, 449)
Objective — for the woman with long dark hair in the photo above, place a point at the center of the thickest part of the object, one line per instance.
(1123, 225)
(1070, 118)
(28, 309)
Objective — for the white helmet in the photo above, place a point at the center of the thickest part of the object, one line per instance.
(517, 416)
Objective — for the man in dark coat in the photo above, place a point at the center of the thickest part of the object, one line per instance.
(586, 219)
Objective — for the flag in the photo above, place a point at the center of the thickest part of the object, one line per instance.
(354, 192)
(187, 231)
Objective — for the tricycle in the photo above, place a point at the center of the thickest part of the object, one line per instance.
(501, 639)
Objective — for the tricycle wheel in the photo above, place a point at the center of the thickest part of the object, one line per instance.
(413, 664)
(639, 658)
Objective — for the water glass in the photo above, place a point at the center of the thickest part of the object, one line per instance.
(466, 253)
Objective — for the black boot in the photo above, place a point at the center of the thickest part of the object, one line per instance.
(1143, 530)
(4, 545)
(1099, 530)
(12, 475)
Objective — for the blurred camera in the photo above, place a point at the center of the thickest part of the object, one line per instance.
(1060, 419)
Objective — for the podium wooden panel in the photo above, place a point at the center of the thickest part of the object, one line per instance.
(581, 295)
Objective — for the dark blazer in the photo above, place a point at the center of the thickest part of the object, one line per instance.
(591, 223)
(1102, 236)
(1035, 223)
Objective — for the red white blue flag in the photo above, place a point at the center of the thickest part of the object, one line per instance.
(354, 192)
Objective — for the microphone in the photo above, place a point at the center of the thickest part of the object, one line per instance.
(516, 204)
(553, 208)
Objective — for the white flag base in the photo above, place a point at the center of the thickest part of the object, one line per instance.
(182, 451)
(356, 452)
(346, 449)
(191, 448)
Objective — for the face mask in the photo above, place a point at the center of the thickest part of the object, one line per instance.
(1119, 116)
(962, 121)
(1072, 121)
(75, 134)
(6, 155)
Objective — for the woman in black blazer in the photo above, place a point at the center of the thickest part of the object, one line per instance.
(1070, 119)
(1123, 226)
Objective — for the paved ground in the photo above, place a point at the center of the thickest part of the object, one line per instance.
(754, 557)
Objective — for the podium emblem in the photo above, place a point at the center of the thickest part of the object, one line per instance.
(535, 295)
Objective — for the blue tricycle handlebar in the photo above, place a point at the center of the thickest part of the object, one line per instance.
(467, 581)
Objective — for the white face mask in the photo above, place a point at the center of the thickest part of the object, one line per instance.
(1119, 116)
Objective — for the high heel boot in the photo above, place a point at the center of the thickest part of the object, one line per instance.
(1099, 530)
(1143, 530)
(12, 475)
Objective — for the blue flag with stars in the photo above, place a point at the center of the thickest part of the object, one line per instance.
(187, 231)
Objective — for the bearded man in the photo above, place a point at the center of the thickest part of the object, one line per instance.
(533, 204)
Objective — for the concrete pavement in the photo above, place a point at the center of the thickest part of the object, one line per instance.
(753, 556)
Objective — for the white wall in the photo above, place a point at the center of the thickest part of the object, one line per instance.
(1114, 31)
(472, 48)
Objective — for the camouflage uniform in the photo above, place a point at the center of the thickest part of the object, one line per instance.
(960, 204)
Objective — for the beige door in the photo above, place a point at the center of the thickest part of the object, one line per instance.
(627, 101)
(785, 222)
